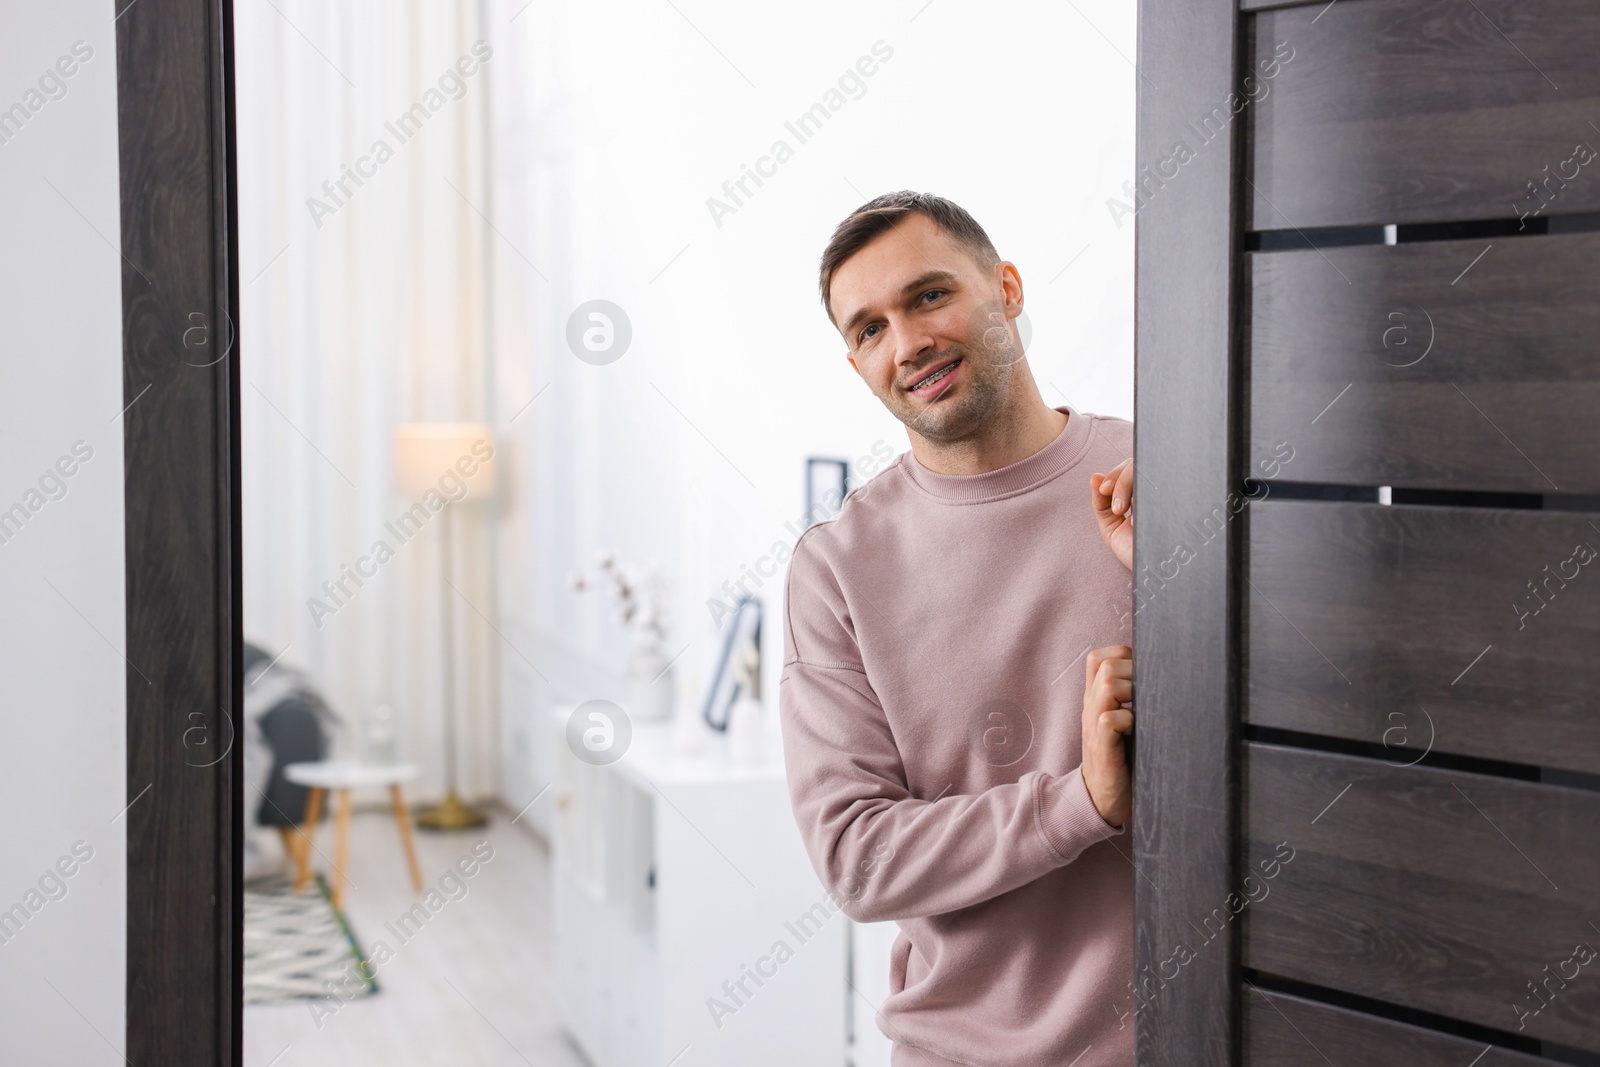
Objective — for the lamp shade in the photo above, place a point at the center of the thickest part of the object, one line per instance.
(442, 456)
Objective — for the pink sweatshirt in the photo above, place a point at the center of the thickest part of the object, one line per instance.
(930, 702)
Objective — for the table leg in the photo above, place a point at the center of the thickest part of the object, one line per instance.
(403, 817)
(291, 846)
(303, 850)
(341, 849)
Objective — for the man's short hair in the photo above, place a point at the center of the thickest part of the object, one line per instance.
(880, 214)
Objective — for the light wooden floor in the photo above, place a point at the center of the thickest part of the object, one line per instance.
(473, 986)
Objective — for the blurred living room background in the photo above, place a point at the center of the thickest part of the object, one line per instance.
(533, 365)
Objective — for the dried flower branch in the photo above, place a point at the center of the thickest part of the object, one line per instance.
(638, 597)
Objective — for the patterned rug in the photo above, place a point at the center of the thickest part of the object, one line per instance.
(296, 943)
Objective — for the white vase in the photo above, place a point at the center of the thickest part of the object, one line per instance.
(651, 688)
(747, 737)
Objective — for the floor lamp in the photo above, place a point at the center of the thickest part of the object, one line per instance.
(437, 458)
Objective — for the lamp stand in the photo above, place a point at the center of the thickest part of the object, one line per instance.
(451, 813)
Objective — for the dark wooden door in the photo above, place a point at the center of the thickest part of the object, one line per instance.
(1368, 576)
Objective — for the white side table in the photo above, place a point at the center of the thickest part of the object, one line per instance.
(341, 776)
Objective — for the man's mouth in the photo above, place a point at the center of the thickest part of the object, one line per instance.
(933, 383)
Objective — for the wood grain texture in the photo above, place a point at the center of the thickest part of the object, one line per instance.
(182, 532)
(1416, 628)
(1263, 5)
(1185, 821)
(1426, 366)
(1288, 1031)
(1438, 890)
(1418, 110)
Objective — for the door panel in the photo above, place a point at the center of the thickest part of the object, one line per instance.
(1465, 895)
(1288, 1031)
(1427, 629)
(1421, 365)
(1396, 111)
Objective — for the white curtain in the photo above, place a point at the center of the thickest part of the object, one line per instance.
(362, 172)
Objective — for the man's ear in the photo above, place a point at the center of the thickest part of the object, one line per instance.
(1011, 284)
(852, 361)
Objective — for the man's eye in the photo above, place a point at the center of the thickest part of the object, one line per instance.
(932, 293)
(863, 335)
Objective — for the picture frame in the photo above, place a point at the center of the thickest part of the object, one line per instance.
(827, 484)
(743, 634)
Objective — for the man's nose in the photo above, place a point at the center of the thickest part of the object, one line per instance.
(911, 344)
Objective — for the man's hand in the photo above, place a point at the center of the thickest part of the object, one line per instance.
(1108, 684)
(1113, 508)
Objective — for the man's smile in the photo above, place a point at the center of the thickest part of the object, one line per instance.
(933, 384)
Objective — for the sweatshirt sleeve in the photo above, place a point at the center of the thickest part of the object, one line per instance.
(881, 852)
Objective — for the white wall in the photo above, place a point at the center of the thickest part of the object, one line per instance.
(614, 123)
(62, 672)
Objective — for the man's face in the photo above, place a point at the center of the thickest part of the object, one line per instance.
(913, 303)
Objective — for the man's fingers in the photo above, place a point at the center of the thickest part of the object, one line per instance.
(1091, 665)
(1100, 655)
(1105, 695)
(1100, 494)
(1113, 673)
(1119, 721)
(1117, 471)
(1122, 488)
(1115, 667)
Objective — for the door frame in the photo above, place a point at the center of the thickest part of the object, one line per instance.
(175, 123)
(176, 131)
(1187, 405)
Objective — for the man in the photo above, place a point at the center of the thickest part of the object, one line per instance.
(944, 771)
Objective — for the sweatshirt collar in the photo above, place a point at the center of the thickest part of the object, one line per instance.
(1059, 455)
